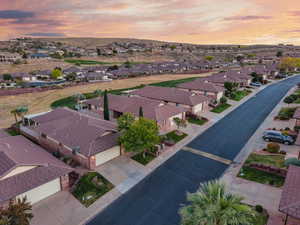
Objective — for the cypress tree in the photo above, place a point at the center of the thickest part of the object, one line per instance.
(141, 113)
(105, 106)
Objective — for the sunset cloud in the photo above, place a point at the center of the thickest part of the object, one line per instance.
(196, 21)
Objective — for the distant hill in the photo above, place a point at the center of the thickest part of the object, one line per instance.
(87, 42)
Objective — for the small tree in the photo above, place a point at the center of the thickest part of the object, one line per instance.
(19, 212)
(141, 135)
(56, 73)
(209, 58)
(7, 76)
(125, 121)
(230, 87)
(273, 147)
(279, 54)
(141, 112)
(105, 106)
(180, 122)
(98, 92)
(19, 111)
(223, 100)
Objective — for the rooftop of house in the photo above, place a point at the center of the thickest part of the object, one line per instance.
(297, 114)
(18, 151)
(89, 135)
(290, 197)
(201, 85)
(152, 109)
(174, 95)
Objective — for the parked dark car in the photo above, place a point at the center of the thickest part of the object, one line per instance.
(277, 136)
(280, 76)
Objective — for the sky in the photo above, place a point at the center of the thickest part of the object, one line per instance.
(191, 21)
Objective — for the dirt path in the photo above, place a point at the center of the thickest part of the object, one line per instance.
(40, 102)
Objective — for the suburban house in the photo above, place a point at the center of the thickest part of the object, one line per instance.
(290, 196)
(158, 111)
(26, 77)
(87, 140)
(28, 170)
(296, 117)
(7, 57)
(176, 97)
(205, 88)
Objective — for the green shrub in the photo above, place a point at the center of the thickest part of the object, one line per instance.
(273, 147)
(223, 100)
(288, 100)
(292, 161)
(259, 208)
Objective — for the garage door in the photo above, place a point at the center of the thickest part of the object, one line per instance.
(107, 155)
(42, 191)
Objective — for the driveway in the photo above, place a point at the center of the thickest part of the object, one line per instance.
(157, 198)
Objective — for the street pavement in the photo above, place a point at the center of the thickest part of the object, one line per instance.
(158, 197)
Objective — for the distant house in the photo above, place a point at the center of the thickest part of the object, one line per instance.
(28, 170)
(196, 104)
(26, 77)
(88, 140)
(38, 56)
(155, 110)
(7, 57)
(204, 88)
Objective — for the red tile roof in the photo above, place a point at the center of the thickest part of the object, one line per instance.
(73, 129)
(152, 109)
(171, 95)
(290, 197)
(200, 85)
(297, 114)
(18, 151)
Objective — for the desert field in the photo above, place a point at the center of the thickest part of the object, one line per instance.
(40, 102)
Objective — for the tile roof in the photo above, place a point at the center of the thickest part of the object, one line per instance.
(75, 129)
(3, 133)
(171, 95)
(16, 151)
(297, 114)
(290, 197)
(201, 86)
(152, 109)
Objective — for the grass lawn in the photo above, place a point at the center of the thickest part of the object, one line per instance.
(286, 113)
(260, 176)
(220, 108)
(86, 62)
(199, 122)
(239, 95)
(175, 137)
(270, 160)
(139, 158)
(174, 83)
(12, 132)
(87, 191)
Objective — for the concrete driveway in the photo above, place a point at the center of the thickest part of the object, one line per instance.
(158, 197)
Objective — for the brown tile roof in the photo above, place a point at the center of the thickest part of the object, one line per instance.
(3, 133)
(74, 129)
(152, 109)
(18, 151)
(297, 114)
(202, 86)
(171, 95)
(290, 197)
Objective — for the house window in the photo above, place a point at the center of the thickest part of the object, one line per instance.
(177, 104)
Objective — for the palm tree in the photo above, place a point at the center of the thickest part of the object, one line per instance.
(19, 212)
(212, 205)
(14, 112)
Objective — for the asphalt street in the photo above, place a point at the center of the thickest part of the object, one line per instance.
(157, 198)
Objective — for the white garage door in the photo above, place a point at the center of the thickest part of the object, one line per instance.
(107, 155)
(42, 192)
(197, 108)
